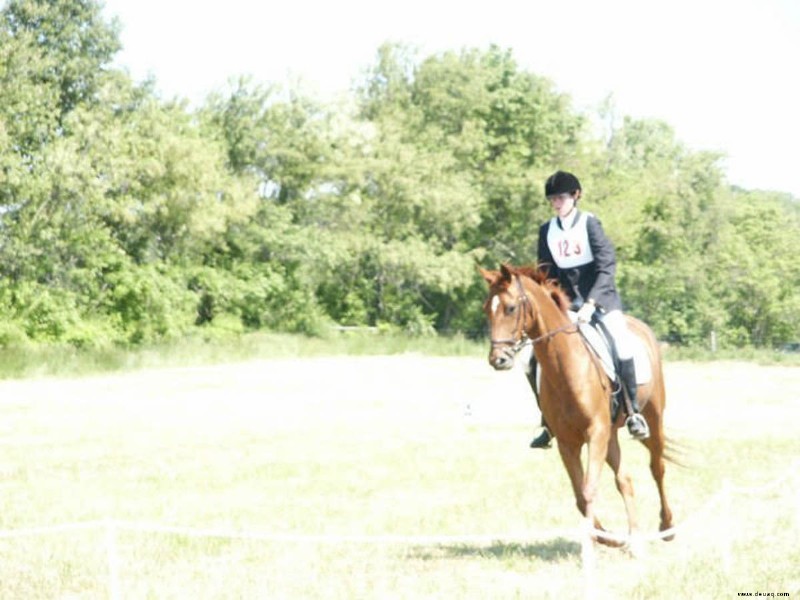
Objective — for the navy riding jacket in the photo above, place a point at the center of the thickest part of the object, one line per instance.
(595, 279)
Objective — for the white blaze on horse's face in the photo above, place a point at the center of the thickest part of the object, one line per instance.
(504, 324)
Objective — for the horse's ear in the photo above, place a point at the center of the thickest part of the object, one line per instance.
(505, 271)
(489, 276)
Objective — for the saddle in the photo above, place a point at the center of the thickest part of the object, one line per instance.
(602, 344)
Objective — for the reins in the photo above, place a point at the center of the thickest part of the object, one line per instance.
(549, 334)
(515, 345)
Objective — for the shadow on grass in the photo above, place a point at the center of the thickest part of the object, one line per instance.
(550, 551)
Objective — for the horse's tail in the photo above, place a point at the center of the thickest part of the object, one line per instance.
(678, 452)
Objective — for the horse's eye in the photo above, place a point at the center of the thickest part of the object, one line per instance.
(510, 309)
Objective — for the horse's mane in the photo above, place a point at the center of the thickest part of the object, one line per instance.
(539, 275)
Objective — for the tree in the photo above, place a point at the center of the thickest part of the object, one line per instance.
(758, 278)
(69, 41)
(128, 219)
(283, 139)
(460, 141)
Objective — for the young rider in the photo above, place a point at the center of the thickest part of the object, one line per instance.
(574, 249)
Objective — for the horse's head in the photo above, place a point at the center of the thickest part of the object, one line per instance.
(508, 309)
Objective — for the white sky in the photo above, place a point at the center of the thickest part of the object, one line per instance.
(722, 73)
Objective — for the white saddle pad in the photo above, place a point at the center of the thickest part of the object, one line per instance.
(641, 362)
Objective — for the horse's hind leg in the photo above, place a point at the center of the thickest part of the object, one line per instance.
(623, 481)
(656, 445)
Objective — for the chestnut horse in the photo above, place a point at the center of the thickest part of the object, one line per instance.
(525, 307)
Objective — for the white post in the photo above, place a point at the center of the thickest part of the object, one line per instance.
(726, 535)
(587, 559)
(113, 561)
(797, 502)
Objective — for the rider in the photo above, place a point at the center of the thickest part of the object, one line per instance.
(574, 249)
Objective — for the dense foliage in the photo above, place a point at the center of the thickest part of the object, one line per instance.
(128, 219)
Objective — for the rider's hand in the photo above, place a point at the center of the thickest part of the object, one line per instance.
(585, 312)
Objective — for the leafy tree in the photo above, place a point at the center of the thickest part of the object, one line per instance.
(758, 279)
(127, 219)
(284, 141)
(69, 43)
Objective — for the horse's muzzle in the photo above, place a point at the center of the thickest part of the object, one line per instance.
(502, 359)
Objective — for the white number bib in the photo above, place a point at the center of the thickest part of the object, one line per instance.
(570, 248)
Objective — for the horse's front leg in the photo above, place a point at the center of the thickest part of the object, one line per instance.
(597, 451)
(584, 484)
(597, 447)
(571, 457)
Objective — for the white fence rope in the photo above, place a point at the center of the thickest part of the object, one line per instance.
(409, 540)
(583, 535)
(721, 497)
(48, 530)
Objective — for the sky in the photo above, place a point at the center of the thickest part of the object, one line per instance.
(724, 74)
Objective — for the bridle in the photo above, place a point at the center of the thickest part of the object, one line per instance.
(514, 344)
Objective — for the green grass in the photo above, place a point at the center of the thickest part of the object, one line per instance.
(31, 360)
(372, 446)
(761, 356)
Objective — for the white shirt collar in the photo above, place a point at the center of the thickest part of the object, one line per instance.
(570, 220)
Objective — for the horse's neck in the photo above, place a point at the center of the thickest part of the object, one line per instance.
(566, 364)
(560, 349)
(549, 315)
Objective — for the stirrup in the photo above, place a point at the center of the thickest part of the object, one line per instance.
(543, 440)
(637, 427)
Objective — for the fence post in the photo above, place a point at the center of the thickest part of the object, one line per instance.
(726, 536)
(587, 558)
(113, 560)
(797, 501)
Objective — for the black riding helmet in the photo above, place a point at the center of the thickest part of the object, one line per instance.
(561, 182)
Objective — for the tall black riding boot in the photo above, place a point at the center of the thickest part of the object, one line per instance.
(637, 426)
(544, 439)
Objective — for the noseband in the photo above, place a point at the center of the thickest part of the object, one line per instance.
(515, 345)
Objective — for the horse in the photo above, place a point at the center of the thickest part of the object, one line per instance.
(524, 306)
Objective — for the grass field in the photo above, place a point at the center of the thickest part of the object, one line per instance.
(341, 453)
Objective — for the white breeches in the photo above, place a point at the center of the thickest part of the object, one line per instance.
(618, 328)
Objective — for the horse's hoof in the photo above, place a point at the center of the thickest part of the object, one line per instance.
(611, 542)
(666, 527)
(636, 546)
